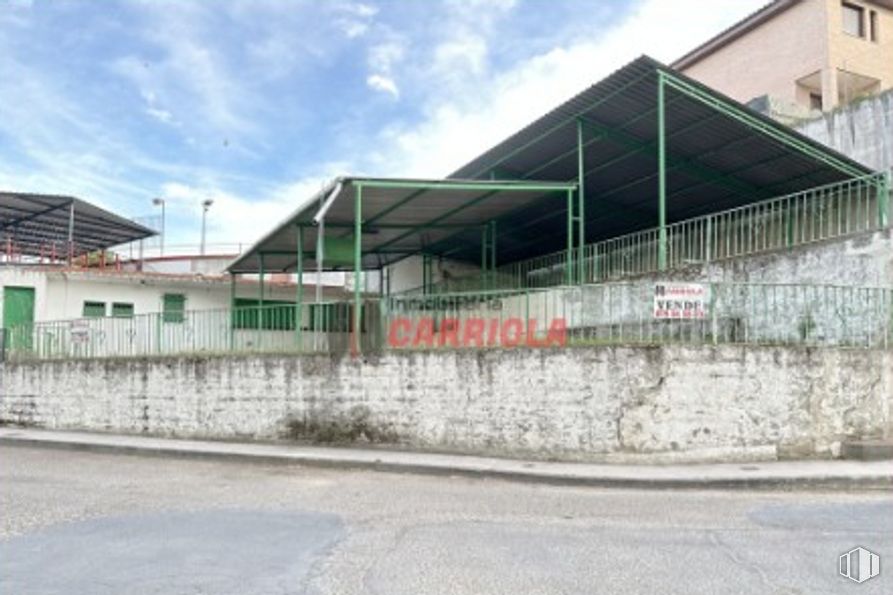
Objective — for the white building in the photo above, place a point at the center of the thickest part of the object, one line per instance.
(57, 263)
(62, 294)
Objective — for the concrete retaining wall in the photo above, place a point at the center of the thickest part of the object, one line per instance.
(595, 403)
(863, 130)
(864, 260)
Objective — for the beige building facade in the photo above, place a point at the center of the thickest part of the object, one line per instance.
(813, 55)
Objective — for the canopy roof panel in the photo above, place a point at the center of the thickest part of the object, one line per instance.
(35, 221)
(718, 158)
(400, 217)
(720, 155)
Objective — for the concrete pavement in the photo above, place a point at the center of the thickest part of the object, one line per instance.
(774, 474)
(79, 523)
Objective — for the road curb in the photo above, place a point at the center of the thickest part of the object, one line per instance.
(509, 472)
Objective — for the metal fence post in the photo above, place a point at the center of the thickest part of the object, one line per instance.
(357, 265)
(884, 186)
(661, 174)
(299, 297)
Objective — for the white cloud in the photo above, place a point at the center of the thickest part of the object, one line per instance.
(354, 18)
(382, 83)
(359, 9)
(189, 69)
(460, 55)
(474, 117)
(385, 55)
(382, 58)
(160, 114)
(233, 218)
(469, 119)
(466, 105)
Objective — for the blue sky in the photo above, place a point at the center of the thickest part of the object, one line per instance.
(257, 103)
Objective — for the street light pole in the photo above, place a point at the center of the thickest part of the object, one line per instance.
(157, 202)
(206, 204)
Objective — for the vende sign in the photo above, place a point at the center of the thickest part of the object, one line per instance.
(681, 301)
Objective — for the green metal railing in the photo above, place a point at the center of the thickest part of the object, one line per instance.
(624, 313)
(324, 328)
(606, 313)
(823, 213)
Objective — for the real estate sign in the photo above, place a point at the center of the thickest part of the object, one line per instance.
(681, 301)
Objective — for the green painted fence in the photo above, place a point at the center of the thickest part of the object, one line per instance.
(324, 328)
(823, 213)
(606, 313)
(624, 313)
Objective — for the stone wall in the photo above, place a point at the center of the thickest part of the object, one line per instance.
(594, 403)
(864, 260)
(862, 130)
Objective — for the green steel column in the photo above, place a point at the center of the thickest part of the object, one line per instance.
(260, 299)
(883, 199)
(232, 310)
(484, 232)
(661, 175)
(299, 297)
(569, 269)
(427, 276)
(357, 264)
(492, 253)
(581, 200)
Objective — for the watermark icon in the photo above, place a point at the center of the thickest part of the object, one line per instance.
(475, 332)
(859, 565)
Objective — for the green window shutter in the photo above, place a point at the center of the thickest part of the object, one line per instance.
(277, 315)
(94, 309)
(245, 314)
(122, 310)
(173, 307)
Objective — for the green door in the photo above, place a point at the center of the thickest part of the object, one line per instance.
(18, 314)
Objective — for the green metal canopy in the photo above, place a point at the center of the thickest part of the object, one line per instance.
(646, 145)
(643, 140)
(399, 217)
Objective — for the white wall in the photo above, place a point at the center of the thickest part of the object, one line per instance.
(407, 274)
(60, 295)
(694, 403)
(67, 294)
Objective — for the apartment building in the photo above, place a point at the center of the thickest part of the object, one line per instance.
(807, 55)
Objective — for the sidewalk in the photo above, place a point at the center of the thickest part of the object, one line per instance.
(773, 474)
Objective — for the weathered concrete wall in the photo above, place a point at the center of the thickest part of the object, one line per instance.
(595, 403)
(864, 260)
(862, 130)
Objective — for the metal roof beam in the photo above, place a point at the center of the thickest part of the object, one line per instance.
(374, 228)
(397, 205)
(632, 208)
(598, 137)
(557, 127)
(499, 186)
(476, 200)
(774, 132)
(34, 215)
(690, 165)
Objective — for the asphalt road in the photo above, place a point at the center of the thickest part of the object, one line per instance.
(77, 523)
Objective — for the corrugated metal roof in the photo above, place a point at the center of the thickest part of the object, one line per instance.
(715, 161)
(403, 218)
(35, 221)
